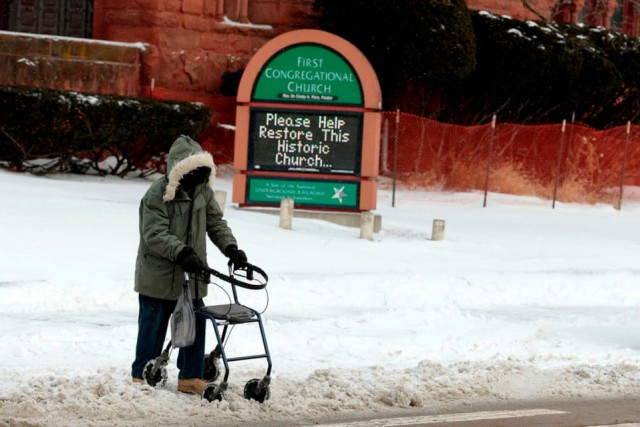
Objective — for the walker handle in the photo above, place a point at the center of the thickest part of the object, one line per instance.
(253, 282)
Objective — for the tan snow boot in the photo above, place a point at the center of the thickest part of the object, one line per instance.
(137, 380)
(191, 385)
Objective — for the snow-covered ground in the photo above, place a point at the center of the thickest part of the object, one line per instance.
(518, 301)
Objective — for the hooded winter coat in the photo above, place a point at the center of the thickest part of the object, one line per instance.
(169, 220)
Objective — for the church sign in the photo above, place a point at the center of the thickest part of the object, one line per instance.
(304, 141)
(308, 73)
(308, 125)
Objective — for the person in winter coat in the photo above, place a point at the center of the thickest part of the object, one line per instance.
(176, 215)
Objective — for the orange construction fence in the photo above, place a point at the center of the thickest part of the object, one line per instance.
(567, 162)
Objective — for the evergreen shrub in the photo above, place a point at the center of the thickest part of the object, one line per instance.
(43, 130)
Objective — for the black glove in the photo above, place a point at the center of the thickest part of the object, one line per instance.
(189, 261)
(237, 257)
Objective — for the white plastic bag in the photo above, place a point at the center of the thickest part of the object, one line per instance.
(183, 320)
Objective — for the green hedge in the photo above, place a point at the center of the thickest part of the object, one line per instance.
(44, 130)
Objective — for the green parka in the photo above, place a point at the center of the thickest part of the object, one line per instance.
(170, 220)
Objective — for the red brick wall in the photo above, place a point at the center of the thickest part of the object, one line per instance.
(193, 43)
(516, 9)
(190, 45)
(512, 8)
(597, 13)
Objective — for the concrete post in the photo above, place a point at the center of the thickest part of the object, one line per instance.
(366, 225)
(286, 214)
(437, 232)
(221, 198)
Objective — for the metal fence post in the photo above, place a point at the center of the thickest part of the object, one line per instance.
(624, 165)
(555, 185)
(489, 158)
(385, 146)
(395, 159)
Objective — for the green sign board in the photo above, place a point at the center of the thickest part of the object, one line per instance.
(308, 73)
(304, 192)
(305, 141)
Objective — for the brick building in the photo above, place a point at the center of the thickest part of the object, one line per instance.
(191, 45)
(188, 49)
(590, 12)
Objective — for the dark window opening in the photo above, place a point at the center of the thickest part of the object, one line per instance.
(4, 14)
(71, 18)
(616, 18)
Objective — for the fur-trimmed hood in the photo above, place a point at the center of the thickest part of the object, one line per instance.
(185, 155)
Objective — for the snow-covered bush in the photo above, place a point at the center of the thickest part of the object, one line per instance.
(43, 130)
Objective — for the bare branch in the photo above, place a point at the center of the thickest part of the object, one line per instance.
(526, 5)
(16, 144)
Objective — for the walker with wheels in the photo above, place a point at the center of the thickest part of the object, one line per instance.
(223, 316)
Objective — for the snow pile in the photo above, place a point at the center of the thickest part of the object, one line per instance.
(519, 301)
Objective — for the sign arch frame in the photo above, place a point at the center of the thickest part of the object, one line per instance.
(336, 123)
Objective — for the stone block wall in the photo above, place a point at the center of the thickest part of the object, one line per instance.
(64, 63)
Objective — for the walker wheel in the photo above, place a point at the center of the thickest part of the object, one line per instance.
(160, 376)
(212, 392)
(253, 390)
